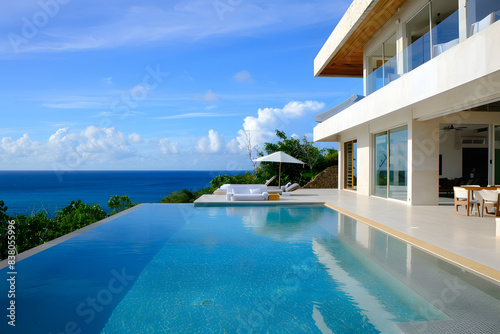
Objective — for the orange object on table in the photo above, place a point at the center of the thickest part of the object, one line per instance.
(274, 197)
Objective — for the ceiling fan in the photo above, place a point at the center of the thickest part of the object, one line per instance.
(451, 127)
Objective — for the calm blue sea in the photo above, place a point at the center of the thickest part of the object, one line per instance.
(30, 191)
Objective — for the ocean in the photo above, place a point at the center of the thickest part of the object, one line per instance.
(26, 192)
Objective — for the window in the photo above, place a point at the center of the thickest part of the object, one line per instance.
(497, 156)
(418, 38)
(350, 165)
(382, 65)
(391, 164)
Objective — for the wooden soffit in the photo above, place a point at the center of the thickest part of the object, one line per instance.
(348, 60)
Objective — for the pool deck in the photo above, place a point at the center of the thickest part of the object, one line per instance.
(470, 242)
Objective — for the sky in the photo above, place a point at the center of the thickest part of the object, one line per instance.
(159, 85)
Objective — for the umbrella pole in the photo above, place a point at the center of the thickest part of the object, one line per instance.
(279, 177)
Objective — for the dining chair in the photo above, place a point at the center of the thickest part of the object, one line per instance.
(461, 197)
(489, 199)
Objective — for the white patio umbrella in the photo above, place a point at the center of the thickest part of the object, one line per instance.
(279, 157)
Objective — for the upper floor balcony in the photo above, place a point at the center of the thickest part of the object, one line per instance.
(434, 29)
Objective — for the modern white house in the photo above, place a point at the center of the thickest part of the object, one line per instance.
(429, 116)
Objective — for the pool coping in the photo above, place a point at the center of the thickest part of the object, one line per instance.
(479, 269)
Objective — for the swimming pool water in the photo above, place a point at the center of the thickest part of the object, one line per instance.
(242, 269)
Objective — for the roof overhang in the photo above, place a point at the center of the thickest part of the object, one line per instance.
(342, 54)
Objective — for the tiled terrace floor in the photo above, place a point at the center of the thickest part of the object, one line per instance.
(468, 241)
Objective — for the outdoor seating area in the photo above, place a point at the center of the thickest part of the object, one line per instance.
(254, 192)
(476, 200)
(247, 192)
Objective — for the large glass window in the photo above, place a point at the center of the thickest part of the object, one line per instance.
(419, 40)
(391, 164)
(497, 156)
(382, 65)
(398, 163)
(381, 158)
(350, 165)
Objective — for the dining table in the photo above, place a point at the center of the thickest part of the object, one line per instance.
(470, 195)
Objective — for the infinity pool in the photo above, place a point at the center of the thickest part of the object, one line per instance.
(244, 269)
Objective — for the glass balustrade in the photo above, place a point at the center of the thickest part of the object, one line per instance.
(441, 38)
(481, 14)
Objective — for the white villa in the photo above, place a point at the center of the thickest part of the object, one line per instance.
(429, 116)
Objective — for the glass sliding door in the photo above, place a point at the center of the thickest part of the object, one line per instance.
(380, 167)
(350, 165)
(398, 163)
(497, 156)
(391, 164)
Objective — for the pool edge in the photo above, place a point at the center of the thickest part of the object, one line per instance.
(52, 243)
(462, 262)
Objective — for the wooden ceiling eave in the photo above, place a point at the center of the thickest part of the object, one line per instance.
(349, 58)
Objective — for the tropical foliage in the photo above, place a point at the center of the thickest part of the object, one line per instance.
(315, 159)
(119, 203)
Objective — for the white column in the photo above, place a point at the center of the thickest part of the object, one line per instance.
(462, 20)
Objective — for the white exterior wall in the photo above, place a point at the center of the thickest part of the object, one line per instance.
(361, 135)
(442, 85)
(463, 77)
(425, 163)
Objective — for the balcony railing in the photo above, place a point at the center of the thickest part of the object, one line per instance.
(480, 15)
(433, 43)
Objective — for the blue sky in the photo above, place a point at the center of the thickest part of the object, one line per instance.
(159, 84)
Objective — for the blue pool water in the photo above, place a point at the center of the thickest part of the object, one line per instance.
(246, 269)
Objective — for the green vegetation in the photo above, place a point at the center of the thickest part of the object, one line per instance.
(316, 160)
(119, 203)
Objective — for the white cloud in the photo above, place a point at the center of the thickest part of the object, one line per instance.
(233, 146)
(243, 76)
(214, 143)
(135, 138)
(23, 146)
(262, 127)
(209, 97)
(168, 147)
(71, 149)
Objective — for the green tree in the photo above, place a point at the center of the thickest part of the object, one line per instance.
(332, 157)
(181, 196)
(4, 226)
(304, 150)
(38, 228)
(75, 216)
(246, 178)
(119, 203)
